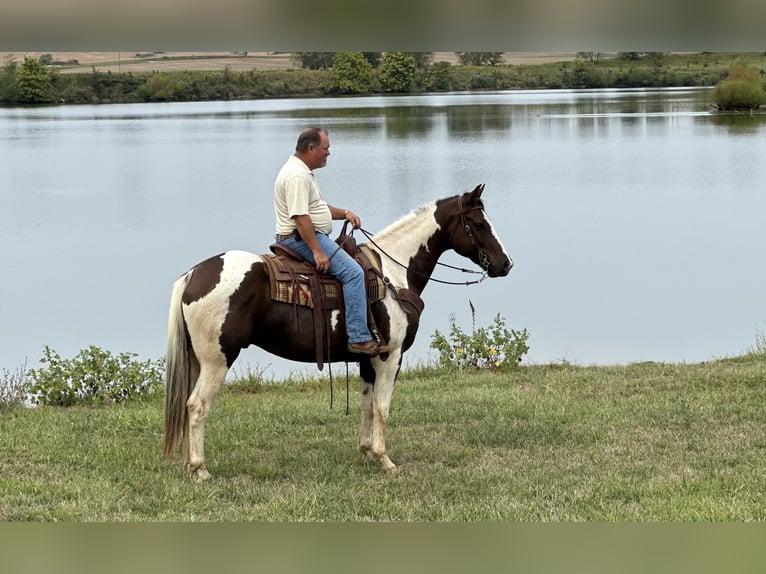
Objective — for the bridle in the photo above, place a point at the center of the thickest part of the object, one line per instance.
(464, 225)
(483, 258)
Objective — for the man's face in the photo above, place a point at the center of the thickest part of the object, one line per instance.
(318, 155)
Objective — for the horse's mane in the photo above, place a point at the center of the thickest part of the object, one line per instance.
(404, 224)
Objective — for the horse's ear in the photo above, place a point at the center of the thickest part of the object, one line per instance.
(476, 193)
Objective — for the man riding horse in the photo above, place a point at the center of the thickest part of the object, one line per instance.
(304, 222)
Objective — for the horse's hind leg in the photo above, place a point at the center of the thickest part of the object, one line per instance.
(211, 377)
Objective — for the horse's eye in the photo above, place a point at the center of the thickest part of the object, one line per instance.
(480, 225)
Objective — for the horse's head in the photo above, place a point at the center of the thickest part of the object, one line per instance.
(472, 234)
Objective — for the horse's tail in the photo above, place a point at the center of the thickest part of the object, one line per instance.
(178, 383)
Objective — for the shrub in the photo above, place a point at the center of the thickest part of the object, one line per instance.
(439, 77)
(94, 375)
(743, 88)
(760, 343)
(484, 348)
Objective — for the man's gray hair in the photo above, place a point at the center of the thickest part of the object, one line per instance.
(309, 136)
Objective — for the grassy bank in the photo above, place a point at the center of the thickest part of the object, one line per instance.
(643, 442)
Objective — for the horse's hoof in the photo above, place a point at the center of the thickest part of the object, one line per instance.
(199, 474)
(389, 467)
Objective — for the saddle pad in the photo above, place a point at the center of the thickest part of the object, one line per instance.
(290, 282)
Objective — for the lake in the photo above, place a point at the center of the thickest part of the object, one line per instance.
(634, 217)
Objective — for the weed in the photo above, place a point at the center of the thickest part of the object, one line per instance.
(14, 386)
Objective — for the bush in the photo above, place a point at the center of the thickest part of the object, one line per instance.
(743, 88)
(484, 348)
(438, 77)
(93, 376)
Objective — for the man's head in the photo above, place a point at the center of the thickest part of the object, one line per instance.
(313, 147)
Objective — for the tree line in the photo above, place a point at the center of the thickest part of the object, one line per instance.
(35, 81)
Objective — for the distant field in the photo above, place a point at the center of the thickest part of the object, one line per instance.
(236, 61)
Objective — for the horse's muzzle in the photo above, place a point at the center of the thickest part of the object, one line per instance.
(500, 270)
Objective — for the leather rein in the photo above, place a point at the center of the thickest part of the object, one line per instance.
(464, 224)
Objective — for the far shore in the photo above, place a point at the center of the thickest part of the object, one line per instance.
(139, 61)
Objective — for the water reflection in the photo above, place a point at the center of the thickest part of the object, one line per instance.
(405, 122)
(740, 123)
(475, 120)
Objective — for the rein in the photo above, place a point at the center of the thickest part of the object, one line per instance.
(483, 274)
(467, 229)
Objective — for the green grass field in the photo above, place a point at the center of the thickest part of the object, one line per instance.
(644, 442)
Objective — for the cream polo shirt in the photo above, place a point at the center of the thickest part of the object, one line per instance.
(296, 192)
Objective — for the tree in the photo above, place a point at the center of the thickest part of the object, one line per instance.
(351, 73)
(422, 59)
(314, 60)
(9, 87)
(35, 82)
(373, 58)
(592, 57)
(397, 72)
(479, 58)
(629, 56)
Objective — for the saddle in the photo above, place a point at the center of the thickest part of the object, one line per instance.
(294, 280)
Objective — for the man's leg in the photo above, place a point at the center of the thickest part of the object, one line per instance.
(343, 266)
(351, 275)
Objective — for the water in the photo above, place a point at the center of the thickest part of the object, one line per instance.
(634, 218)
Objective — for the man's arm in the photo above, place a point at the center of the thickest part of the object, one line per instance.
(348, 215)
(306, 230)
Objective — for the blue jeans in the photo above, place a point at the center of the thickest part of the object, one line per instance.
(350, 273)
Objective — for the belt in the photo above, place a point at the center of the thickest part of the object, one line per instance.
(294, 234)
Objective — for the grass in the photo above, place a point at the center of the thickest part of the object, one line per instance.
(643, 442)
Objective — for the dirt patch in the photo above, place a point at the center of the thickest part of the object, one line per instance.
(236, 61)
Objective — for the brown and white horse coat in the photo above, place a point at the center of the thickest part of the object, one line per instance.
(223, 305)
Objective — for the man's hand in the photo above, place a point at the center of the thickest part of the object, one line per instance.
(306, 230)
(322, 261)
(353, 219)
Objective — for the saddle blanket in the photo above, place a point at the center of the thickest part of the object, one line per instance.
(291, 281)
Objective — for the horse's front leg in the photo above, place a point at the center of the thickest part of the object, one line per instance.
(365, 428)
(377, 389)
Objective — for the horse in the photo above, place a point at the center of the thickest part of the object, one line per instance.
(223, 305)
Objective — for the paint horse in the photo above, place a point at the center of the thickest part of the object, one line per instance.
(223, 305)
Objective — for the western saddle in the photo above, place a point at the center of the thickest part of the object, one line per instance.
(294, 280)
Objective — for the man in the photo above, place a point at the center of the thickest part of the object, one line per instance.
(304, 222)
